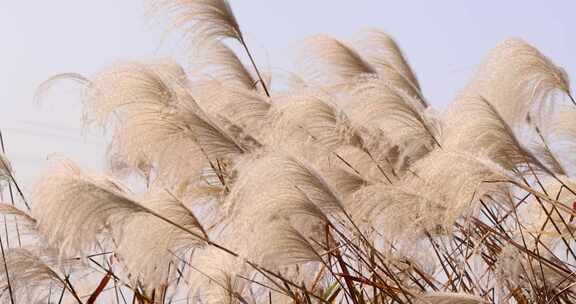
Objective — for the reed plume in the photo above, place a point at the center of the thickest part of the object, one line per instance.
(339, 184)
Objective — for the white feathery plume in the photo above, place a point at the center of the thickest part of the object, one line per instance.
(5, 168)
(286, 244)
(384, 54)
(153, 144)
(124, 156)
(160, 125)
(345, 177)
(189, 124)
(540, 136)
(508, 267)
(293, 81)
(10, 209)
(516, 271)
(398, 215)
(290, 181)
(245, 108)
(32, 271)
(120, 91)
(206, 21)
(201, 20)
(148, 244)
(307, 118)
(476, 126)
(351, 168)
(540, 148)
(538, 221)
(514, 80)
(545, 274)
(548, 125)
(559, 131)
(390, 158)
(214, 277)
(516, 77)
(125, 87)
(284, 215)
(563, 124)
(46, 85)
(439, 297)
(355, 145)
(459, 181)
(446, 187)
(73, 208)
(309, 126)
(219, 62)
(378, 105)
(184, 143)
(327, 61)
(25, 220)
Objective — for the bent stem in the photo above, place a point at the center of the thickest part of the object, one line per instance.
(245, 46)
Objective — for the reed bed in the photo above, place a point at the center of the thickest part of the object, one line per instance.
(338, 183)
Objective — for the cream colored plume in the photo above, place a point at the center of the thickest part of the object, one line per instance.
(460, 180)
(516, 77)
(289, 178)
(25, 220)
(344, 185)
(384, 54)
(5, 168)
(200, 20)
(158, 124)
(350, 168)
(476, 126)
(244, 107)
(307, 118)
(32, 272)
(126, 87)
(559, 130)
(441, 189)
(219, 62)
(377, 105)
(148, 244)
(451, 298)
(537, 217)
(215, 278)
(74, 208)
(46, 85)
(283, 216)
(326, 61)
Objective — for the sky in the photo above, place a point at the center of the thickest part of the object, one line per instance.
(443, 40)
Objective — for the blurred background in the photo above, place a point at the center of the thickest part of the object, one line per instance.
(443, 41)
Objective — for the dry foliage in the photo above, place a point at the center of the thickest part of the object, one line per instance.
(347, 187)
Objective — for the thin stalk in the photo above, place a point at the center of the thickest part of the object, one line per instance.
(6, 269)
(71, 289)
(62, 295)
(11, 192)
(12, 178)
(245, 46)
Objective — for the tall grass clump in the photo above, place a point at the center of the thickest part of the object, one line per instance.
(339, 183)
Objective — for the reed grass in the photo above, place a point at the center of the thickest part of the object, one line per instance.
(338, 183)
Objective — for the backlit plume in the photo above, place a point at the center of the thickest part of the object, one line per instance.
(337, 183)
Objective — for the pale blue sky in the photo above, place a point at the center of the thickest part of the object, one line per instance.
(443, 40)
